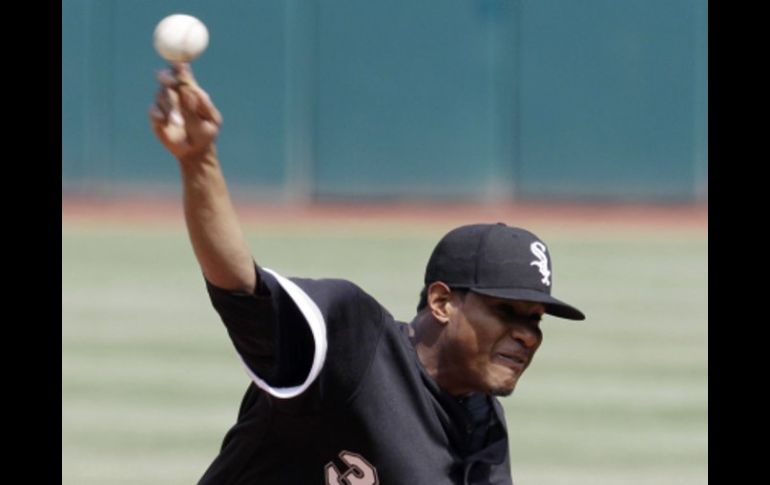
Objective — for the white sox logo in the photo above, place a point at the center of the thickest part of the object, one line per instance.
(538, 249)
(359, 472)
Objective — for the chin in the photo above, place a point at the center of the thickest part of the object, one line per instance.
(501, 391)
(501, 384)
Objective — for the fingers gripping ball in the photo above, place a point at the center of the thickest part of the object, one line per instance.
(180, 38)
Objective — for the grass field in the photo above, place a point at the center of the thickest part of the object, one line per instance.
(150, 382)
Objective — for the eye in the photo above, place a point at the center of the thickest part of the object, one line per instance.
(508, 313)
(504, 311)
(535, 318)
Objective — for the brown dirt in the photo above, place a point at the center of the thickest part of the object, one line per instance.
(168, 210)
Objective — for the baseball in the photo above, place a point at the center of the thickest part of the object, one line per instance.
(180, 38)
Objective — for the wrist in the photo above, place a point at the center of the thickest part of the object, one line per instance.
(204, 156)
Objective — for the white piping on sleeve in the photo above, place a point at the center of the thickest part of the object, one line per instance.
(317, 326)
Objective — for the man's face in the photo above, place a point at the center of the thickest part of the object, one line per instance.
(492, 341)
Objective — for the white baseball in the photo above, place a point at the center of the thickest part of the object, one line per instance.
(180, 38)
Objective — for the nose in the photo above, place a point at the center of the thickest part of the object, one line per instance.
(529, 335)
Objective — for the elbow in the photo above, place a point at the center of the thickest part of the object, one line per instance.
(243, 282)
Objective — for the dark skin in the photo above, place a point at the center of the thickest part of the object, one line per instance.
(187, 124)
(476, 343)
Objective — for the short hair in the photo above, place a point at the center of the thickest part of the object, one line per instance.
(423, 299)
(423, 303)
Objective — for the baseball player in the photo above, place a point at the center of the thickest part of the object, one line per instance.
(341, 393)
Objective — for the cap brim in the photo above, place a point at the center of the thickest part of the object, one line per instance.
(553, 306)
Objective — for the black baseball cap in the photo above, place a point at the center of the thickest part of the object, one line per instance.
(500, 261)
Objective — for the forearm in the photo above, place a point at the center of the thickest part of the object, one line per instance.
(213, 226)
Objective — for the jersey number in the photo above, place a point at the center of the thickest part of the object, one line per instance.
(359, 472)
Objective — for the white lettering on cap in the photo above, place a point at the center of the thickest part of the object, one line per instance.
(538, 249)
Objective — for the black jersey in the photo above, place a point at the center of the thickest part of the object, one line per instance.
(338, 396)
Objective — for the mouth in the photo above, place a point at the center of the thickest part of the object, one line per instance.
(513, 361)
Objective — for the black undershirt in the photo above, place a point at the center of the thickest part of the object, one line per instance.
(479, 417)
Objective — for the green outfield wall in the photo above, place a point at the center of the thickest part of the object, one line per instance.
(480, 99)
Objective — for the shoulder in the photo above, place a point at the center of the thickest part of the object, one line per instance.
(333, 294)
(333, 289)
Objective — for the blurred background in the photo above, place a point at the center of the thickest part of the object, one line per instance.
(482, 99)
(356, 134)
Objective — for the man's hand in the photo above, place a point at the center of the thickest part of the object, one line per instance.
(183, 117)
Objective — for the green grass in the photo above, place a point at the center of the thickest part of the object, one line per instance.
(150, 382)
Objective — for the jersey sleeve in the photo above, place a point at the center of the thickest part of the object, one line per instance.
(268, 332)
(292, 333)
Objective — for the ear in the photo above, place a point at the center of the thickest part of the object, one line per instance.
(438, 301)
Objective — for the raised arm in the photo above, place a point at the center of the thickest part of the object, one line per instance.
(187, 124)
